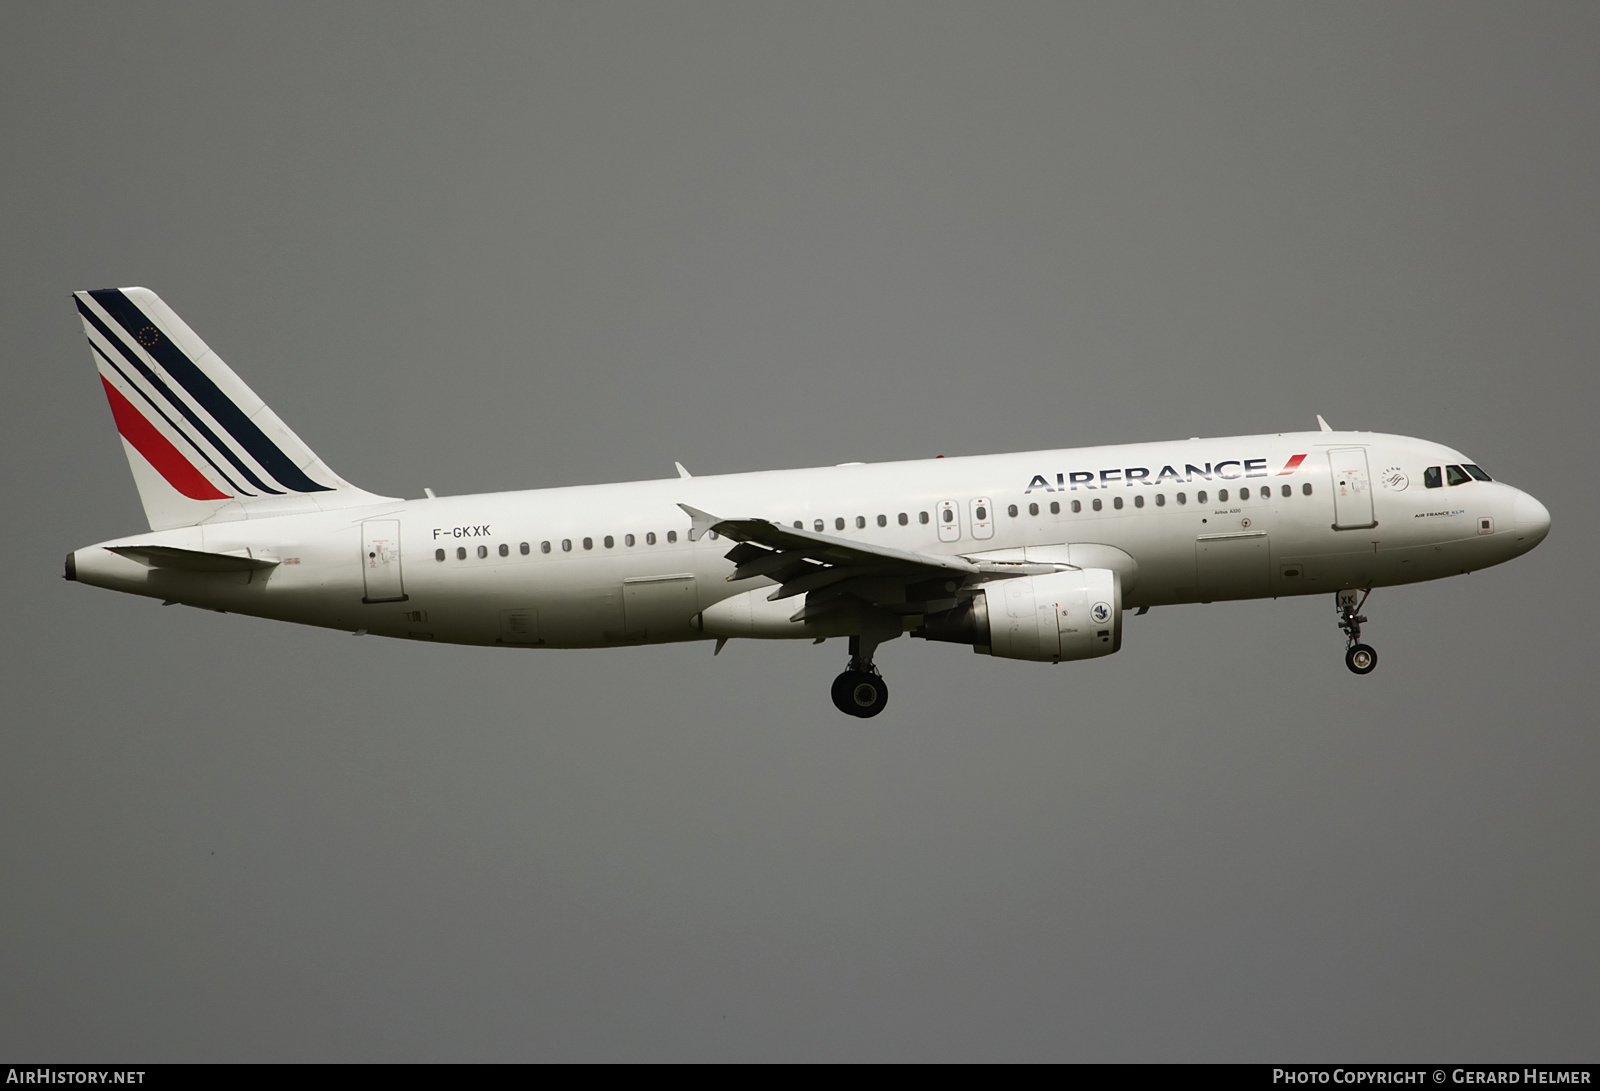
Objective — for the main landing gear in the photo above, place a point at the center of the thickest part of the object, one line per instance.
(860, 690)
(1359, 657)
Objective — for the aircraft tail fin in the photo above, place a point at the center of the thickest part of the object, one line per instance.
(202, 446)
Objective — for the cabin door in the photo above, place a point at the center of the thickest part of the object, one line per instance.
(380, 561)
(1352, 489)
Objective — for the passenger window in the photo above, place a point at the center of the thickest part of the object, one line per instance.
(1200, 497)
(922, 517)
(610, 541)
(544, 547)
(1033, 509)
(904, 519)
(838, 523)
(627, 539)
(1116, 502)
(818, 526)
(566, 545)
(1161, 499)
(1097, 504)
(1055, 507)
(1138, 501)
(1431, 478)
(1244, 494)
(1011, 510)
(1477, 473)
(461, 553)
(950, 516)
(1077, 506)
(1287, 491)
(983, 513)
(523, 549)
(438, 554)
(672, 536)
(1222, 496)
(1306, 488)
(798, 525)
(861, 522)
(588, 543)
(883, 520)
(1183, 498)
(505, 550)
(650, 538)
(1455, 475)
(483, 551)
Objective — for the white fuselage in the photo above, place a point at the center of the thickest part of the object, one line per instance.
(1188, 521)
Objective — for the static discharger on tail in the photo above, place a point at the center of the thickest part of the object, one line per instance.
(1033, 556)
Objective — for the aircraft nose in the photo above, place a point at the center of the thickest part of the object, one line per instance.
(1533, 520)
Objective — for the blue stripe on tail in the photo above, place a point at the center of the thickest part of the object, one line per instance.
(177, 403)
(200, 387)
(162, 413)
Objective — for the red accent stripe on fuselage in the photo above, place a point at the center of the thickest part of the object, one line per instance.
(1293, 464)
(158, 450)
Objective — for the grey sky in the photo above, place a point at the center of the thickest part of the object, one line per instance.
(498, 247)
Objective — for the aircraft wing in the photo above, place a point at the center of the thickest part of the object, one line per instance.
(823, 567)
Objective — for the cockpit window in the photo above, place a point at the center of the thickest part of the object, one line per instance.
(1431, 478)
(1475, 472)
(1456, 475)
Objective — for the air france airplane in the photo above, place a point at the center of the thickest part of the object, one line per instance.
(1034, 556)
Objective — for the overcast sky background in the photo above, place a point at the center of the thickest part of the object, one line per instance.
(490, 247)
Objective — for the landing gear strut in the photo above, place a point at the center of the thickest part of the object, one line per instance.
(860, 690)
(1359, 657)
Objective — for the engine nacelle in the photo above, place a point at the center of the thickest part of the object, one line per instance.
(1047, 619)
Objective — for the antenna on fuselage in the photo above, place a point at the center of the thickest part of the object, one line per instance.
(1322, 424)
(681, 471)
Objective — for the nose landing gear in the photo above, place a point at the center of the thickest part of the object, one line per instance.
(1359, 657)
(860, 690)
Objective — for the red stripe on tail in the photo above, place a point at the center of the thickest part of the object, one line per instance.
(158, 450)
(1290, 466)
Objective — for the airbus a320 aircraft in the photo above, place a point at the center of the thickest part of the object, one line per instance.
(1031, 556)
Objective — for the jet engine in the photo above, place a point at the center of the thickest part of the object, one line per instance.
(1047, 619)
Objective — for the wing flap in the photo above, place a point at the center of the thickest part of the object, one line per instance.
(824, 567)
(822, 547)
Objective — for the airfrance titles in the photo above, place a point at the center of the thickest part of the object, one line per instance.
(1226, 470)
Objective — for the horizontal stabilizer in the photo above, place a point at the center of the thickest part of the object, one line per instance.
(191, 560)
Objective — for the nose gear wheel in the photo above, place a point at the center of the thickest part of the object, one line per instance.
(1359, 657)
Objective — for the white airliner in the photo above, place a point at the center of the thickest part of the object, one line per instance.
(1031, 556)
